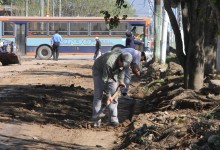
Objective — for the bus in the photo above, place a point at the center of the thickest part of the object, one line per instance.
(32, 35)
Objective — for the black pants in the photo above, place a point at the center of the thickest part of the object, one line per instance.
(56, 46)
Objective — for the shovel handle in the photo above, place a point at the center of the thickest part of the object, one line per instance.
(115, 95)
(96, 117)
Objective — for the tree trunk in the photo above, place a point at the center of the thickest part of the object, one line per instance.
(199, 26)
(202, 45)
(210, 43)
(176, 30)
(179, 44)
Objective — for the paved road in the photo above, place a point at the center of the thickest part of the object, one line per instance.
(66, 57)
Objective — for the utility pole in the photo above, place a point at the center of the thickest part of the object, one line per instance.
(60, 8)
(42, 8)
(157, 29)
(53, 8)
(11, 9)
(164, 36)
(26, 8)
(48, 8)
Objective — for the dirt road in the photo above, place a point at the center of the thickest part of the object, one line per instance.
(46, 104)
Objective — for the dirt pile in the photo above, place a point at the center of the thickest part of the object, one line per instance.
(172, 117)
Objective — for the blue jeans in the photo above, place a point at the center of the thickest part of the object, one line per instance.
(127, 81)
(99, 87)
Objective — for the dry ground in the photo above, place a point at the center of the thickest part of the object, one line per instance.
(44, 105)
(47, 105)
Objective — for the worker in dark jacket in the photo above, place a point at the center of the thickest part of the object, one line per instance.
(131, 40)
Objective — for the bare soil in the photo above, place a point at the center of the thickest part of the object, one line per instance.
(44, 105)
(47, 104)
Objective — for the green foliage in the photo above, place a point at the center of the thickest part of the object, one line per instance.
(82, 8)
(121, 3)
(118, 8)
(115, 20)
(112, 21)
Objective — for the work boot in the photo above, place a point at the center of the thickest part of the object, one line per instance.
(114, 121)
(97, 124)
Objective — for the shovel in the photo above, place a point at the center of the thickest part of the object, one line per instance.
(100, 114)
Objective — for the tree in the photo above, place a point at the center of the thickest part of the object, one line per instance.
(69, 8)
(200, 26)
(200, 39)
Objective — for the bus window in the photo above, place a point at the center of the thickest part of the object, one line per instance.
(99, 28)
(79, 28)
(37, 28)
(61, 27)
(120, 30)
(8, 28)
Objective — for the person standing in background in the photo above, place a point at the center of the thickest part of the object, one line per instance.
(55, 41)
(131, 41)
(98, 48)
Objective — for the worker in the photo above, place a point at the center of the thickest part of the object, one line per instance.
(55, 42)
(137, 57)
(131, 41)
(108, 74)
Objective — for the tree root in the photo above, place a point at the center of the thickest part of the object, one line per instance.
(191, 103)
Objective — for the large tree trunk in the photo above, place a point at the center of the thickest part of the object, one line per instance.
(196, 55)
(202, 42)
(199, 40)
(210, 43)
(186, 25)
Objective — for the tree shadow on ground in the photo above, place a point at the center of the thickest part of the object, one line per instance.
(65, 106)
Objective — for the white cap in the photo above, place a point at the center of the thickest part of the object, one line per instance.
(126, 59)
(96, 37)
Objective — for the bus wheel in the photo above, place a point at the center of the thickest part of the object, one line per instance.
(117, 47)
(44, 52)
